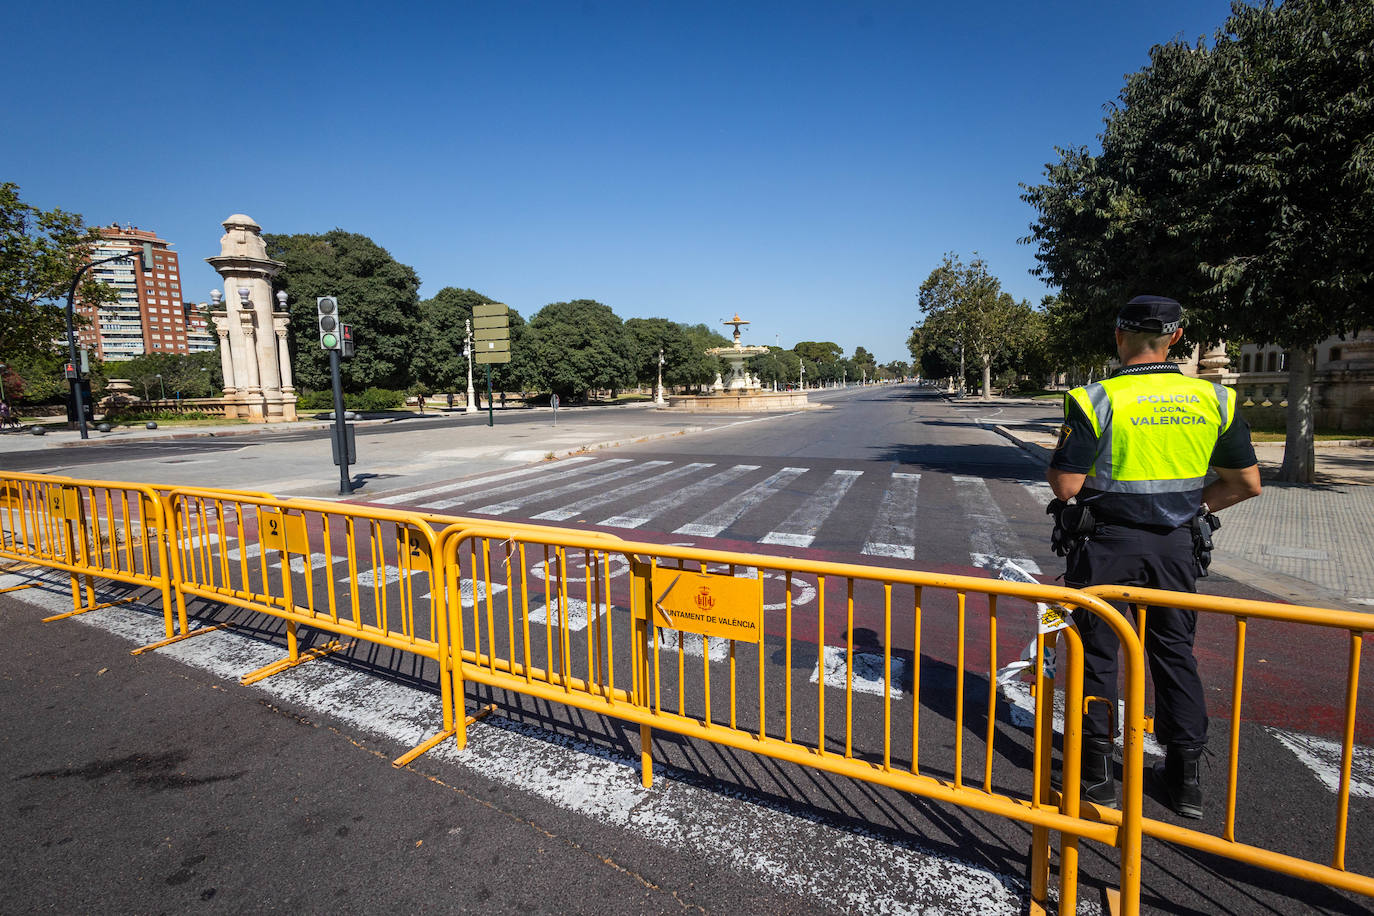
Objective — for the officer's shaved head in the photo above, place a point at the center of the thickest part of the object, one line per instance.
(1133, 344)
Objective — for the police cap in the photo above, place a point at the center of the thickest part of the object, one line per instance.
(1150, 314)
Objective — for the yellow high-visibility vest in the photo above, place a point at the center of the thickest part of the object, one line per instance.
(1155, 430)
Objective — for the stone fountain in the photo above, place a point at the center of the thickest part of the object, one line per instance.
(740, 381)
(741, 391)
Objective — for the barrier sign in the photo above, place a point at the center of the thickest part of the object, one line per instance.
(64, 502)
(11, 497)
(415, 548)
(279, 531)
(729, 607)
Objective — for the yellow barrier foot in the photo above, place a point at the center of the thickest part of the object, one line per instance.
(15, 588)
(267, 671)
(406, 758)
(410, 755)
(180, 636)
(94, 607)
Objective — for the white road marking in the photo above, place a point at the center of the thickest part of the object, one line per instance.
(563, 513)
(990, 536)
(799, 529)
(894, 532)
(252, 551)
(392, 575)
(869, 676)
(487, 493)
(465, 589)
(412, 495)
(593, 482)
(1323, 757)
(793, 851)
(730, 511)
(691, 645)
(576, 611)
(198, 539)
(642, 515)
(1039, 490)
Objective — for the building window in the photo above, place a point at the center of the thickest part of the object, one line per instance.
(1245, 362)
(1335, 354)
(1283, 363)
(1273, 361)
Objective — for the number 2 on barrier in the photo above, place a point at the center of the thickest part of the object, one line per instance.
(279, 531)
(64, 502)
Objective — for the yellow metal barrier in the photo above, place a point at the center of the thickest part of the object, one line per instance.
(610, 627)
(88, 529)
(359, 572)
(1241, 611)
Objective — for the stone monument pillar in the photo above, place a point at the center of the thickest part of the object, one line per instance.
(252, 333)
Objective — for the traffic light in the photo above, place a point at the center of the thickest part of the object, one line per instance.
(347, 342)
(69, 370)
(328, 309)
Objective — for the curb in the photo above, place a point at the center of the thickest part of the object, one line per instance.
(609, 443)
(1039, 452)
(272, 430)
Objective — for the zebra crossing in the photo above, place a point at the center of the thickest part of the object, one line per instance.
(734, 500)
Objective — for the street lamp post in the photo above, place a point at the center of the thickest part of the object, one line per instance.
(467, 351)
(801, 378)
(161, 386)
(3, 367)
(658, 398)
(71, 336)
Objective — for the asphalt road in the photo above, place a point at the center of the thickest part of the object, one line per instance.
(889, 476)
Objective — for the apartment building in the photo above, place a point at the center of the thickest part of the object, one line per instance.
(200, 330)
(148, 316)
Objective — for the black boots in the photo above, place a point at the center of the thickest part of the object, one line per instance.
(1179, 775)
(1098, 781)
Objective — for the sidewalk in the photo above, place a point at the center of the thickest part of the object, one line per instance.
(1305, 543)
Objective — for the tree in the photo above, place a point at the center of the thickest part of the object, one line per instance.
(378, 297)
(193, 375)
(819, 351)
(439, 360)
(684, 361)
(897, 368)
(580, 345)
(777, 366)
(1239, 179)
(934, 347)
(864, 363)
(40, 253)
(968, 302)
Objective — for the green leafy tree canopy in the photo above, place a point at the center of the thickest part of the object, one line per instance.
(378, 297)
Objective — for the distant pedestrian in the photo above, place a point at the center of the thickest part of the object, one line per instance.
(1134, 454)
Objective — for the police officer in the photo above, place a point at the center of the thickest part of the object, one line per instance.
(1134, 454)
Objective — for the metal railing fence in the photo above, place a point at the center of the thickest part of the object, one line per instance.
(1241, 612)
(576, 620)
(89, 529)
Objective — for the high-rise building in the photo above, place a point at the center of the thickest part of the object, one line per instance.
(200, 331)
(148, 316)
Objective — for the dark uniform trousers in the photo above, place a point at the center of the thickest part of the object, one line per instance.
(1149, 558)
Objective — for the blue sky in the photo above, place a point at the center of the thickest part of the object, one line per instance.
(804, 164)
